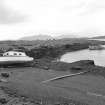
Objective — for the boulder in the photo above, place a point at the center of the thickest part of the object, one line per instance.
(6, 75)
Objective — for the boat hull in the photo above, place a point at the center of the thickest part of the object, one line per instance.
(15, 61)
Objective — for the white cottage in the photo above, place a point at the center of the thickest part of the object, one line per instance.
(14, 53)
(14, 57)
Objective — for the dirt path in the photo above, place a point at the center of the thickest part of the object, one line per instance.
(64, 76)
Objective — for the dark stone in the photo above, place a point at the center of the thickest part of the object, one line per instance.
(3, 100)
(76, 68)
(46, 68)
(89, 62)
(6, 75)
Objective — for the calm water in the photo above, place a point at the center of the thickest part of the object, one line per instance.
(97, 55)
(99, 39)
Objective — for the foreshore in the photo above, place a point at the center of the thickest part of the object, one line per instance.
(23, 86)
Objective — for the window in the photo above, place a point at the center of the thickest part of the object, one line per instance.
(15, 53)
(20, 54)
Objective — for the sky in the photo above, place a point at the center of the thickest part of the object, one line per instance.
(20, 18)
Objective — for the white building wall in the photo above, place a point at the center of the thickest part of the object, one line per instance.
(14, 53)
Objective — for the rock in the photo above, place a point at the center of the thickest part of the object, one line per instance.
(3, 80)
(6, 75)
(83, 63)
(76, 68)
(88, 62)
(3, 100)
(46, 68)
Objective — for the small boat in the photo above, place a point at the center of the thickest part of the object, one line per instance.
(96, 47)
(14, 57)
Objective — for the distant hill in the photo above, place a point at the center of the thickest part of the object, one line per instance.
(47, 37)
(37, 37)
(99, 37)
(68, 36)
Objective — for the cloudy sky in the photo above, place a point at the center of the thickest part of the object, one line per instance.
(20, 18)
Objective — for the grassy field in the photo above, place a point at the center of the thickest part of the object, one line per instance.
(88, 89)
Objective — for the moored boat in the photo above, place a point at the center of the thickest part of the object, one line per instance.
(96, 47)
